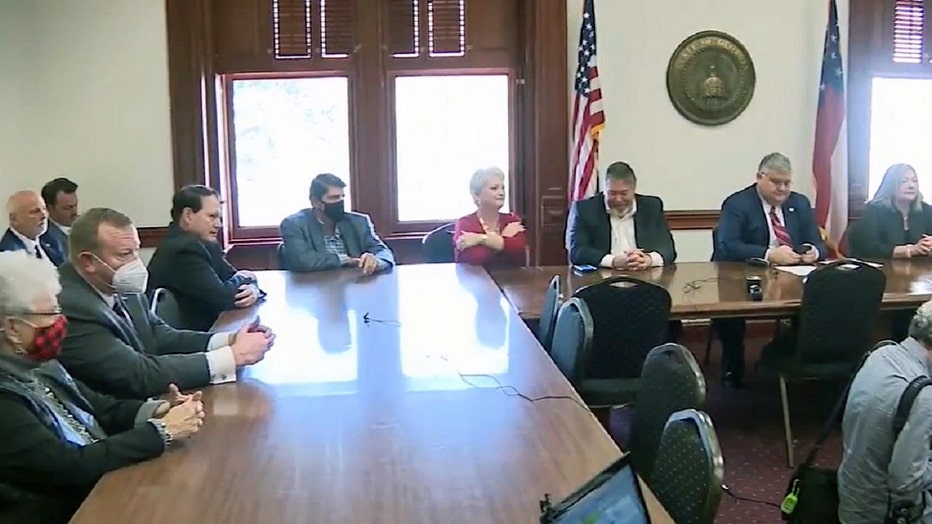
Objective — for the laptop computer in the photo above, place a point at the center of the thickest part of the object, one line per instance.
(611, 497)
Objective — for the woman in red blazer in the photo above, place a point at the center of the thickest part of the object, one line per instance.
(489, 238)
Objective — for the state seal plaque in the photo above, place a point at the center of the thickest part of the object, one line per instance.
(710, 78)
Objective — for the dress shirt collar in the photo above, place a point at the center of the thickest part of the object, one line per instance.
(64, 229)
(28, 242)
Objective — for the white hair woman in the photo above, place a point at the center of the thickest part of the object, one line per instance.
(896, 222)
(488, 237)
(59, 437)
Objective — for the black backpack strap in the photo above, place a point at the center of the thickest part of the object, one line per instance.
(838, 409)
(905, 404)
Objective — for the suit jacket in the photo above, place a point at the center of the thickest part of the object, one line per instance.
(38, 444)
(198, 275)
(881, 229)
(11, 242)
(129, 360)
(589, 232)
(513, 254)
(56, 237)
(303, 247)
(744, 232)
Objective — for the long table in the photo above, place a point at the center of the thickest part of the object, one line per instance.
(390, 399)
(712, 289)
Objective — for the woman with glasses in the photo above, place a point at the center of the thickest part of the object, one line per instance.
(896, 222)
(58, 437)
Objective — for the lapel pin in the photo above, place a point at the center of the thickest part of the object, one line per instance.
(791, 210)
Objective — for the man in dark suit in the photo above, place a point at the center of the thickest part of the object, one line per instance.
(326, 236)
(114, 343)
(61, 200)
(190, 263)
(620, 228)
(28, 224)
(763, 221)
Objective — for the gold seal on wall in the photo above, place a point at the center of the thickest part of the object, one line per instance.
(710, 78)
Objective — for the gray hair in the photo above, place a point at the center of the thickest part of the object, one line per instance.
(892, 178)
(920, 327)
(22, 279)
(481, 177)
(774, 163)
(621, 171)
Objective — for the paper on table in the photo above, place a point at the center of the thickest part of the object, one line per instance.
(800, 271)
(872, 264)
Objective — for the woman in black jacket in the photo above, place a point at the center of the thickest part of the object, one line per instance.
(57, 437)
(896, 222)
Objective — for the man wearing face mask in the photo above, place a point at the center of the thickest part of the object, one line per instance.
(326, 236)
(115, 344)
(619, 228)
(190, 263)
(59, 436)
(28, 225)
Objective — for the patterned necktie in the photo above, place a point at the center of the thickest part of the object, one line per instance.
(120, 309)
(38, 253)
(780, 232)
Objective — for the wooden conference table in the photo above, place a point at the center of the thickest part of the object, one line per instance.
(378, 403)
(713, 289)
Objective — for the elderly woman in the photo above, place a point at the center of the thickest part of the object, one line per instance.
(487, 237)
(58, 437)
(896, 222)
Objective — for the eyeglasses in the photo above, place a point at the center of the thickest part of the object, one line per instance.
(779, 183)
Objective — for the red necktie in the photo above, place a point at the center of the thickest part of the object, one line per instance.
(783, 237)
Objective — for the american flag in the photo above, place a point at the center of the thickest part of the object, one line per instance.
(588, 117)
(830, 154)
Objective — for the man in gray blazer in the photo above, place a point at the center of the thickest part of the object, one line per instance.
(326, 236)
(114, 343)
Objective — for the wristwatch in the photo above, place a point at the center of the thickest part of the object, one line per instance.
(162, 428)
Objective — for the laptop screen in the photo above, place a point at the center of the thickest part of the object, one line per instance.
(616, 501)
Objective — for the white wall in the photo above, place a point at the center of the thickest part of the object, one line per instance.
(84, 94)
(688, 165)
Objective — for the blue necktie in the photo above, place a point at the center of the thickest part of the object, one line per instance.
(38, 253)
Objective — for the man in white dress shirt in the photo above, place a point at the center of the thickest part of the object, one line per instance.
(28, 222)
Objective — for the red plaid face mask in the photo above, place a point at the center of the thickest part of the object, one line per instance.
(46, 344)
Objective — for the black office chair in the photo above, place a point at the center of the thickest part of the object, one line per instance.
(438, 245)
(671, 381)
(165, 306)
(280, 254)
(572, 339)
(631, 317)
(687, 478)
(553, 299)
(840, 306)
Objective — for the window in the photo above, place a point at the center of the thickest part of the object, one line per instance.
(285, 132)
(446, 127)
(901, 129)
(402, 99)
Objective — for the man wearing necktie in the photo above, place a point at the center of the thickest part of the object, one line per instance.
(28, 222)
(765, 220)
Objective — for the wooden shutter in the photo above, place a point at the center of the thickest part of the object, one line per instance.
(908, 24)
(291, 28)
(446, 27)
(402, 32)
(337, 20)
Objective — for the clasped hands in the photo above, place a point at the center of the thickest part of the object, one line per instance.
(785, 256)
(468, 239)
(183, 414)
(921, 248)
(634, 260)
(367, 262)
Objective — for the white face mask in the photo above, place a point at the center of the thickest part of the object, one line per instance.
(130, 278)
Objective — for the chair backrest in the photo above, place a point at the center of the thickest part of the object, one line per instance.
(572, 339)
(687, 478)
(438, 245)
(165, 306)
(671, 381)
(631, 317)
(553, 299)
(714, 241)
(840, 307)
(280, 253)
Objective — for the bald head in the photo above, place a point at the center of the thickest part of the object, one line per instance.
(27, 214)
